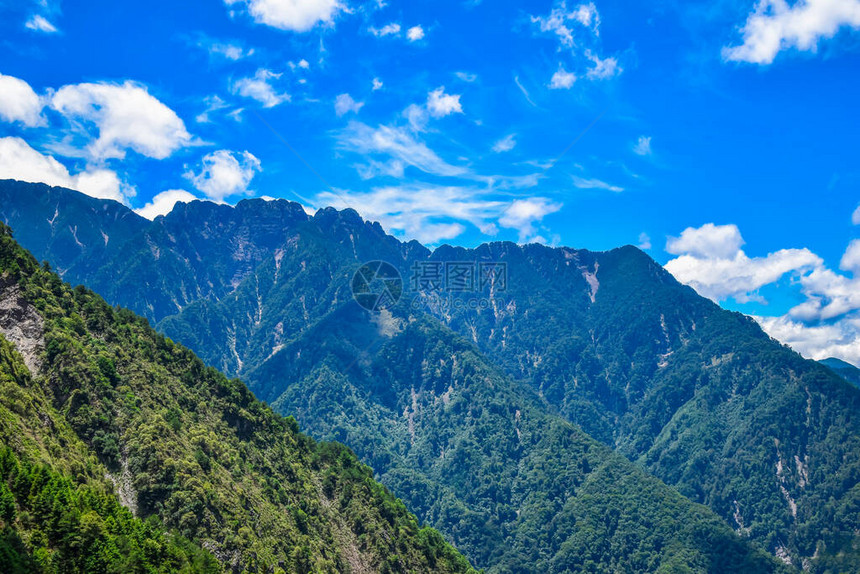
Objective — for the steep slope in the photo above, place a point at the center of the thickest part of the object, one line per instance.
(73, 231)
(610, 341)
(700, 396)
(98, 399)
(845, 370)
(442, 438)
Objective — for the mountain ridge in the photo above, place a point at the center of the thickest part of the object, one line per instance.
(601, 339)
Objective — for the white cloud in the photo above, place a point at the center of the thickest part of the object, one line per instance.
(377, 84)
(583, 183)
(39, 23)
(825, 324)
(423, 212)
(524, 91)
(230, 51)
(642, 146)
(431, 213)
(707, 241)
(441, 104)
(466, 76)
(851, 259)
(20, 161)
(343, 104)
(711, 261)
(293, 15)
(163, 203)
(562, 79)
(397, 142)
(601, 69)
(303, 64)
(213, 104)
(19, 103)
(840, 339)
(560, 18)
(260, 88)
(225, 173)
(644, 241)
(415, 33)
(392, 29)
(524, 214)
(126, 117)
(776, 25)
(507, 143)
(855, 217)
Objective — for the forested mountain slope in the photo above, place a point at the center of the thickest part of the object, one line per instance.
(698, 396)
(95, 402)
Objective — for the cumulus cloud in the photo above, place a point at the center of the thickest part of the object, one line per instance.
(259, 87)
(392, 29)
(125, 116)
(855, 217)
(642, 146)
(466, 76)
(707, 242)
(440, 104)
(293, 15)
(224, 173)
(825, 324)
(343, 104)
(507, 143)
(415, 33)
(710, 260)
(524, 214)
(562, 79)
(398, 143)
(19, 103)
(20, 161)
(776, 25)
(376, 84)
(851, 259)
(163, 203)
(840, 339)
(644, 241)
(601, 68)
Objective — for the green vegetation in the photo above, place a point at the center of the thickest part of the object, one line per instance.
(610, 342)
(203, 463)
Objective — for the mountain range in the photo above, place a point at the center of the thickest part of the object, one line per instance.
(588, 413)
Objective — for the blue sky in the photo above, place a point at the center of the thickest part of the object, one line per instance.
(719, 136)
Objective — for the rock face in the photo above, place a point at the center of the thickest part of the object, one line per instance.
(21, 325)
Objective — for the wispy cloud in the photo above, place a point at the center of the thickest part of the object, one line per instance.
(39, 23)
(344, 104)
(259, 87)
(397, 142)
(642, 146)
(432, 213)
(591, 183)
(506, 143)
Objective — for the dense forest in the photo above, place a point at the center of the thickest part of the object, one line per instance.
(100, 409)
(468, 413)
